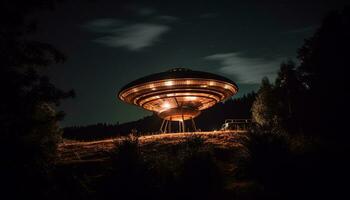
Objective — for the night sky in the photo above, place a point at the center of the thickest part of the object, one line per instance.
(109, 44)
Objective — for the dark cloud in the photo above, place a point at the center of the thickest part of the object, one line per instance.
(145, 11)
(307, 29)
(167, 18)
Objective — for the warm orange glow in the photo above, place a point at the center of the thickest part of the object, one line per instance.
(169, 83)
(166, 105)
(190, 98)
(178, 99)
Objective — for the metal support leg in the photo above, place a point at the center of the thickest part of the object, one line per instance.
(161, 127)
(183, 127)
(170, 126)
(166, 126)
(194, 125)
(183, 122)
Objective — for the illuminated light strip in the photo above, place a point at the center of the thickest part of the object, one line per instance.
(142, 93)
(189, 89)
(154, 100)
(159, 97)
(152, 104)
(190, 98)
(200, 81)
(211, 93)
(183, 93)
(175, 90)
(131, 91)
(203, 102)
(200, 94)
(168, 83)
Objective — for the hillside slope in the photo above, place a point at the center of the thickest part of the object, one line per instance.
(85, 166)
(71, 151)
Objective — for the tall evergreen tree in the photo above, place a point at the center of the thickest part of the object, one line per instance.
(324, 60)
(28, 119)
(290, 92)
(264, 110)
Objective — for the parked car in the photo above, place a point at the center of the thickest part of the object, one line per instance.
(235, 124)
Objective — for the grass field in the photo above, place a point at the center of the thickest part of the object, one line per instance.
(89, 162)
(71, 151)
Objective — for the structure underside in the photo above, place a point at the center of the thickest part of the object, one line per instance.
(169, 126)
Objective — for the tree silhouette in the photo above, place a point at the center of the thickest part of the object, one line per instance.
(29, 129)
(290, 92)
(323, 62)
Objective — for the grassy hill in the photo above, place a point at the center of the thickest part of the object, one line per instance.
(201, 165)
(71, 151)
(88, 166)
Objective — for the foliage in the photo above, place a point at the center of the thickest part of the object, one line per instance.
(191, 173)
(148, 125)
(129, 172)
(303, 160)
(285, 166)
(323, 66)
(194, 142)
(268, 153)
(45, 135)
(279, 105)
(200, 176)
(28, 120)
(300, 97)
(264, 108)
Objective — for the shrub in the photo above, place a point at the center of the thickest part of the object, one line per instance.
(269, 159)
(130, 175)
(200, 176)
(194, 141)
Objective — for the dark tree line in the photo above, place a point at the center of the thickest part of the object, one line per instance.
(147, 125)
(299, 148)
(309, 97)
(210, 119)
(238, 108)
(280, 105)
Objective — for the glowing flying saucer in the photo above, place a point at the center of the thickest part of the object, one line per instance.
(178, 94)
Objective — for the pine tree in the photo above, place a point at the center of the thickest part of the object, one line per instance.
(264, 107)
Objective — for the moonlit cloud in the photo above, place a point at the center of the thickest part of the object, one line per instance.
(245, 69)
(134, 37)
